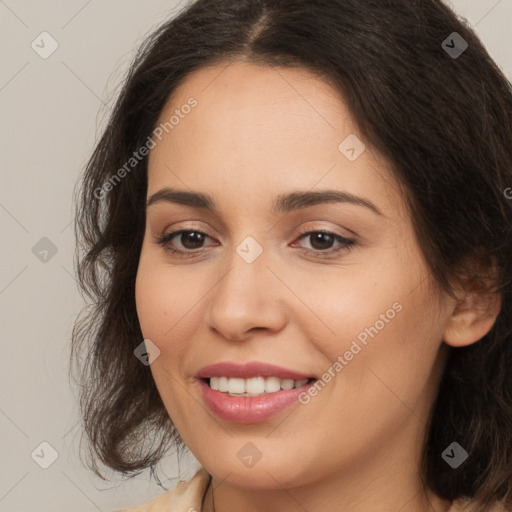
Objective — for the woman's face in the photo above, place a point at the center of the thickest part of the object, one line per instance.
(352, 309)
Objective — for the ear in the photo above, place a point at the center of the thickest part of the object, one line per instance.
(472, 318)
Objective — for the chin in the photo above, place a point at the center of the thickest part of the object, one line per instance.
(272, 472)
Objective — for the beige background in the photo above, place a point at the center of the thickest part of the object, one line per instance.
(51, 113)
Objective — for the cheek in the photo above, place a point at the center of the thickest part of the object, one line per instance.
(164, 311)
(382, 367)
(346, 303)
(150, 299)
(166, 298)
(377, 329)
(388, 358)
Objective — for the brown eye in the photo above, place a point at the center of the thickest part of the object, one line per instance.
(321, 243)
(192, 239)
(189, 240)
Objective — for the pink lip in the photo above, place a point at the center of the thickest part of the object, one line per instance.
(246, 371)
(249, 409)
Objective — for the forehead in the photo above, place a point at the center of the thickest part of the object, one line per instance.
(259, 128)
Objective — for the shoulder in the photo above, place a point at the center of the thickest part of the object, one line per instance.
(186, 496)
(466, 505)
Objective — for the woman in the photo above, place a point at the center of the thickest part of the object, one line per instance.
(297, 231)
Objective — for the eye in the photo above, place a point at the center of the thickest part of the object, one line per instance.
(190, 239)
(321, 242)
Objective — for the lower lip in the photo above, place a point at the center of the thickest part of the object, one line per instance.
(250, 409)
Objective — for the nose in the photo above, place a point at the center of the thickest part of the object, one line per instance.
(247, 298)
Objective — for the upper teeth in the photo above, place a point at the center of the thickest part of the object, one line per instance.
(254, 386)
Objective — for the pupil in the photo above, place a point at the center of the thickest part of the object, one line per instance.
(322, 238)
(194, 237)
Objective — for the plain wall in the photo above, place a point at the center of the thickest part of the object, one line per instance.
(51, 113)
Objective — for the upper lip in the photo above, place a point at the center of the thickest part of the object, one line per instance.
(248, 370)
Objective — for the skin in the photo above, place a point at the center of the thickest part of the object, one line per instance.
(255, 133)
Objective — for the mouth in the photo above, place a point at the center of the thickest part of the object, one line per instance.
(251, 393)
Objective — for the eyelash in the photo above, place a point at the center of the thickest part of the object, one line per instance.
(347, 243)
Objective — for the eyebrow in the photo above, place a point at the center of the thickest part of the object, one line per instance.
(283, 203)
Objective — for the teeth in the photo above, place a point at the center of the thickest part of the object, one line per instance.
(236, 386)
(287, 384)
(223, 383)
(254, 386)
(272, 384)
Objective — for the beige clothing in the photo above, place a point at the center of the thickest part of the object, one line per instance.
(188, 497)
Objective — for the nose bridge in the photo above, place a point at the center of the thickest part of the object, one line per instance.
(242, 299)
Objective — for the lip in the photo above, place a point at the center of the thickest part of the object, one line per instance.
(248, 370)
(250, 409)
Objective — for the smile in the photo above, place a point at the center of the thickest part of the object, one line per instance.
(250, 393)
(255, 386)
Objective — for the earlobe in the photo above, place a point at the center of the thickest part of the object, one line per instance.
(472, 318)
